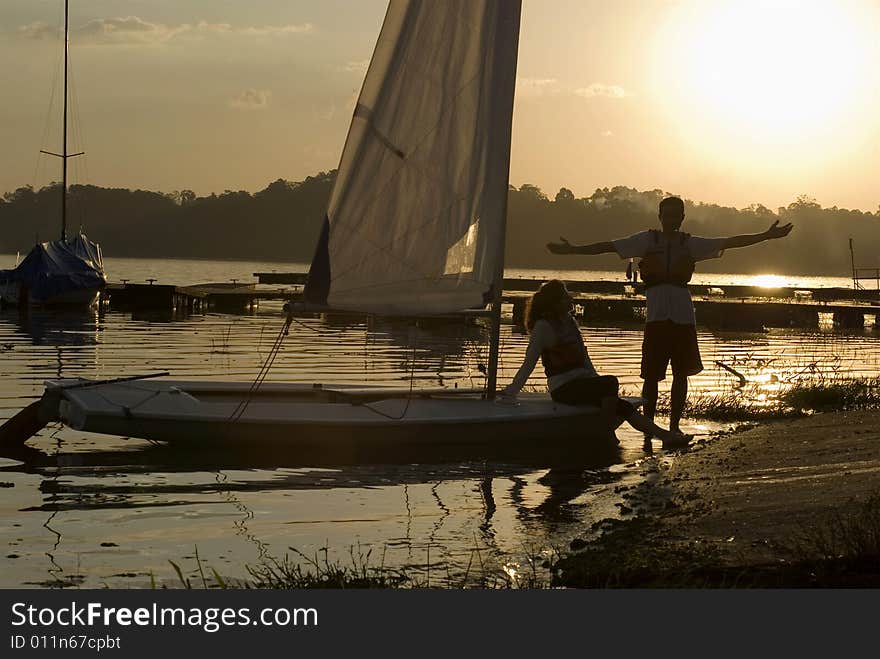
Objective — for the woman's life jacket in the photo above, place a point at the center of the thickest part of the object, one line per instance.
(569, 351)
(669, 263)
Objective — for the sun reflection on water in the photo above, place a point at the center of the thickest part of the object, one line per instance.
(768, 281)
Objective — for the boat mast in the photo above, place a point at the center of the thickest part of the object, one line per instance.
(495, 329)
(64, 155)
(64, 139)
(498, 283)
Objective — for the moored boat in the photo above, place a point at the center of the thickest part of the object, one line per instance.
(64, 272)
(58, 273)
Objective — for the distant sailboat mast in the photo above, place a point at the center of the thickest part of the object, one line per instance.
(58, 272)
(64, 155)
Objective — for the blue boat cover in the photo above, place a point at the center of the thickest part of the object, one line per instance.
(59, 266)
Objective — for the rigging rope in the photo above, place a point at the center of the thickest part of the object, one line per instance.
(241, 408)
(44, 141)
(412, 376)
(264, 371)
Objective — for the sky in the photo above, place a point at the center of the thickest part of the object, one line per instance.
(723, 101)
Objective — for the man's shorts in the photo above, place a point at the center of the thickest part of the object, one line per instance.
(667, 342)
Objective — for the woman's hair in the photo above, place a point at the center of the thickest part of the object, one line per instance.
(545, 302)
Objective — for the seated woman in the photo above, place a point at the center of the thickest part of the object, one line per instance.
(571, 378)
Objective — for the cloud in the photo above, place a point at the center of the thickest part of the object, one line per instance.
(600, 89)
(359, 66)
(39, 31)
(251, 99)
(276, 30)
(537, 87)
(203, 28)
(130, 30)
(135, 31)
(532, 87)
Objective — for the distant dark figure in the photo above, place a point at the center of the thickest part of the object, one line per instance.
(629, 271)
(555, 338)
(667, 263)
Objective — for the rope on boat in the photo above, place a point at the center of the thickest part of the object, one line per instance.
(290, 319)
(412, 377)
(127, 409)
(241, 408)
(264, 371)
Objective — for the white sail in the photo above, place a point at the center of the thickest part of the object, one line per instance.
(415, 223)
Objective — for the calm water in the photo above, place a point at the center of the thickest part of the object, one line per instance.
(100, 510)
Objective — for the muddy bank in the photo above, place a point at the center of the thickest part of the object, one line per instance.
(792, 503)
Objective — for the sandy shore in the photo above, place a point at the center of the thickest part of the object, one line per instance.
(748, 502)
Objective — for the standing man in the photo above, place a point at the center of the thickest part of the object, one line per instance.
(668, 258)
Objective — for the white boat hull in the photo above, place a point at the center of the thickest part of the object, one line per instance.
(314, 419)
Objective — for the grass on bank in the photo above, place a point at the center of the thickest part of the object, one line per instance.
(298, 570)
(799, 399)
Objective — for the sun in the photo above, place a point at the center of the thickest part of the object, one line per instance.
(768, 75)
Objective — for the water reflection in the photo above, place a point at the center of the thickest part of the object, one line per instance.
(55, 328)
(768, 281)
(99, 507)
(437, 501)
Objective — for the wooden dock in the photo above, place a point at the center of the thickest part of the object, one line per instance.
(129, 296)
(151, 296)
(733, 307)
(237, 297)
(746, 314)
(518, 284)
(717, 307)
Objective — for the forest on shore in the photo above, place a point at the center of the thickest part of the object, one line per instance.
(282, 221)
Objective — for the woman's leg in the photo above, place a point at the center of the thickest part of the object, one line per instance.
(586, 391)
(602, 392)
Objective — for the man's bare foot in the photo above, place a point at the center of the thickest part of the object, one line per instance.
(675, 439)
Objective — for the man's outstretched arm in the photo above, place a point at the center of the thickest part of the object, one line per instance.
(748, 239)
(565, 247)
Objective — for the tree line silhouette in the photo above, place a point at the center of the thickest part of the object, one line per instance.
(282, 222)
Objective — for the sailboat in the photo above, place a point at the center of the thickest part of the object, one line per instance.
(415, 226)
(68, 271)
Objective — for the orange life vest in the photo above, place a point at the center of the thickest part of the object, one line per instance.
(660, 267)
(569, 351)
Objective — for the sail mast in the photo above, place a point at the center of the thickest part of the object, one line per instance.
(495, 329)
(498, 283)
(64, 138)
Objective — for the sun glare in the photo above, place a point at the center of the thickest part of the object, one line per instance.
(771, 74)
(768, 281)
